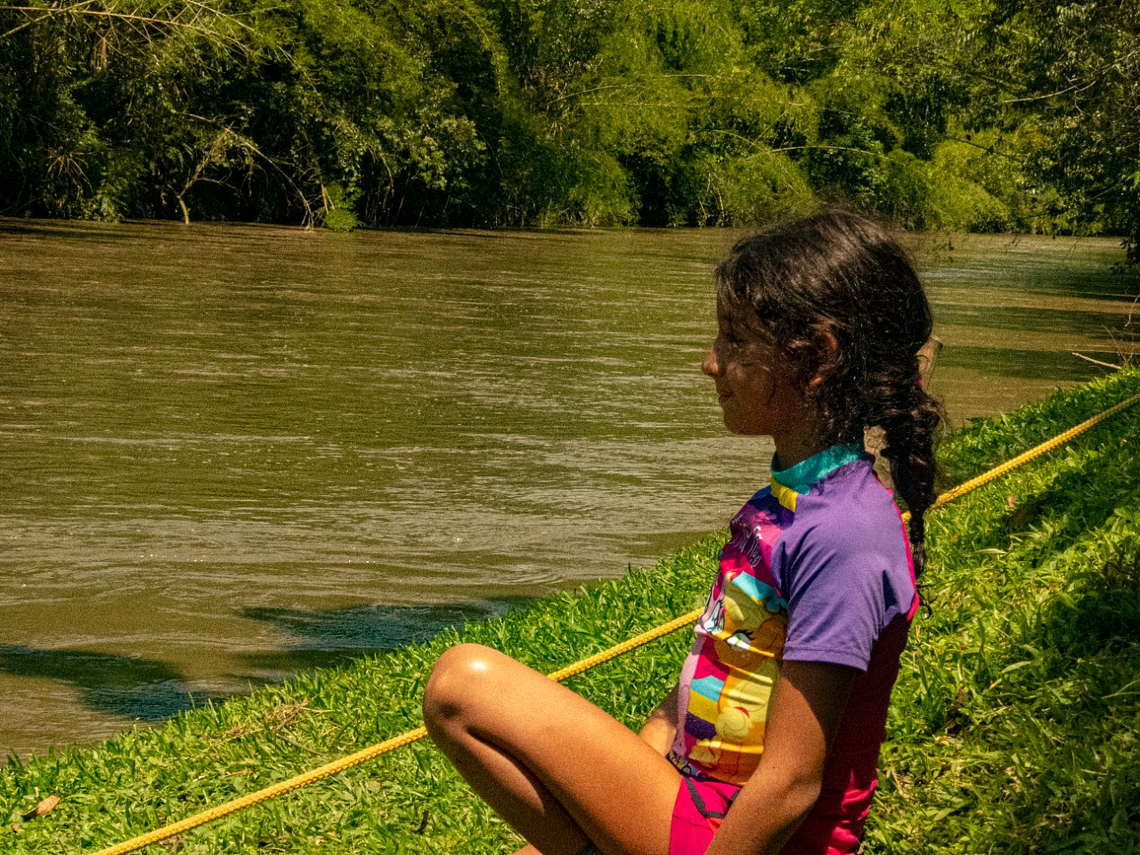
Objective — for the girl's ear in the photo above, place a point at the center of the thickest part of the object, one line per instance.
(826, 350)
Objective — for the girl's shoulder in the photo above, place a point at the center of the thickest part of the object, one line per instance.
(851, 511)
(853, 488)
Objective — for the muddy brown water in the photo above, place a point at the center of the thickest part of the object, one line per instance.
(234, 452)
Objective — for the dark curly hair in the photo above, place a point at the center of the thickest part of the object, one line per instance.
(839, 297)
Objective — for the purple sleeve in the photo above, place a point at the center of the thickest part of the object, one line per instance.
(845, 578)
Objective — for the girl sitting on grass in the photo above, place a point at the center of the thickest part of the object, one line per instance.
(769, 741)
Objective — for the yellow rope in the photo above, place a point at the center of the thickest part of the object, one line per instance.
(371, 752)
(985, 478)
(411, 736)
(260, 796)
(626, 646)
(1037, 450)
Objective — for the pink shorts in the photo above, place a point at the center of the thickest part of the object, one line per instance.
(698, 813)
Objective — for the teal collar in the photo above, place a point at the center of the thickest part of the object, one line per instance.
(805, 473)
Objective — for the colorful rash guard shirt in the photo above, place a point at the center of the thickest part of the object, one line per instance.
(817, 568)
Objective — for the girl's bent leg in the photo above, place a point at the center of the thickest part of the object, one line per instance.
(556, 767)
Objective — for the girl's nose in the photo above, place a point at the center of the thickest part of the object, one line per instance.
(710, 366)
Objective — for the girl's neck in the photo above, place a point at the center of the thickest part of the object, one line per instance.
(793, 448)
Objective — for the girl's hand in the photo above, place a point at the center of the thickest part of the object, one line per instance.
(661, 728)
(810, 700)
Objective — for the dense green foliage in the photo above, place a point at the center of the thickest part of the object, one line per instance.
(1012, 729)
(961, 114)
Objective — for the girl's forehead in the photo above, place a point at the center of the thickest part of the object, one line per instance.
(734, 309)
(739, 317)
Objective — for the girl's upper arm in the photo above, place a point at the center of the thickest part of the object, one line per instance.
(810, 700)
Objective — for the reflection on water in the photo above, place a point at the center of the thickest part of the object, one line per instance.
(235, 452)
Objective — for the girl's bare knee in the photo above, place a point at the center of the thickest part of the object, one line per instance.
(454, 687)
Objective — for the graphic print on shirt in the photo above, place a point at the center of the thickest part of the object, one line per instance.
(745, 623)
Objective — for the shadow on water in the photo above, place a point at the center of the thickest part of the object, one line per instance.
(134, 688)
(1018, 319)
(80, 230)
(1027, 364)
(150, 691)
(331, 636)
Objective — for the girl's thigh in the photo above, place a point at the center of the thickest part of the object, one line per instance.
(501, 717)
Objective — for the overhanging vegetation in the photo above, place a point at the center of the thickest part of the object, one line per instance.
(968, 114)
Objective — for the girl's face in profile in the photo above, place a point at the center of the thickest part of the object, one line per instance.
(755, 386)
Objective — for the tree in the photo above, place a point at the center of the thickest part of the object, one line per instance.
(1075, 74)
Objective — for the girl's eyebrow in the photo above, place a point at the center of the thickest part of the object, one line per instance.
(732, 324)
(730, 328)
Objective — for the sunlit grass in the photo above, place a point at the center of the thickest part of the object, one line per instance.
(1012, 730)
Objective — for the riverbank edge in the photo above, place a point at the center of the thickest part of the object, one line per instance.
(1011, 728)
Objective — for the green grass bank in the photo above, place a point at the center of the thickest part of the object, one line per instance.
(1013, 728)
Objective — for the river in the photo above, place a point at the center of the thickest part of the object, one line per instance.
(234, 452)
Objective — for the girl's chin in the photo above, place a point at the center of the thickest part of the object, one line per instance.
(739, 429)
